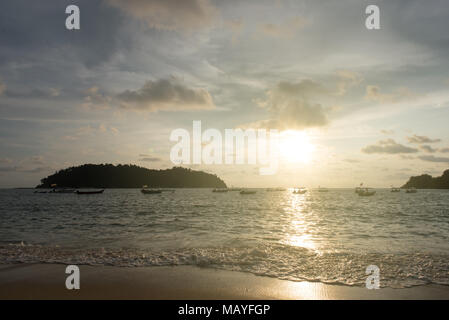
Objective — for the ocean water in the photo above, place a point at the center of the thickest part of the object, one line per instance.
(328, 237)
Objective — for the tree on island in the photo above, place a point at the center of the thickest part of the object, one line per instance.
(130, 176)
(426, 181)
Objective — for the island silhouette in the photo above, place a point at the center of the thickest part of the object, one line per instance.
(426, 181)
(129, 176)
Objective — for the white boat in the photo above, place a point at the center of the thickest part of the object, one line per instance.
(145, 190)
(248, 192)
(63, 190)
(220, 190)
(300, 191)
(366, 192)
(394, 189)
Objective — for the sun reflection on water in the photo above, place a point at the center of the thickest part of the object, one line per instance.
(298, 233)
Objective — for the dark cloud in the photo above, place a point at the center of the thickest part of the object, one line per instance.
(35, 32)
(434, 159)
(421, 139)
(166, 95)
(388, 146)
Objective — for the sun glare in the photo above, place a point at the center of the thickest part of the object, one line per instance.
(295, 146)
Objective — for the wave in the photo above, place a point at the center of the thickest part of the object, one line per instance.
(279, 261)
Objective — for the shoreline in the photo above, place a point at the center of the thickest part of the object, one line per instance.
(47, 281)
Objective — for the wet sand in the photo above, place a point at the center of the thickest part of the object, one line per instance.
(47, 281)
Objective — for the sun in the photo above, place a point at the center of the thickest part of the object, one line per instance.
(295, 146)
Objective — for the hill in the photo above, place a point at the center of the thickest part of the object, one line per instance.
(130, 176)
(426, 181)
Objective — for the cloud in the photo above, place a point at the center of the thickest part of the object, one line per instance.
(434, 159)
(91, 131)
(387, 132)
(166, 95)
(373, 93)
(25, 170)
(305, 89)
(2, 87)
(170, 14)
(351, 160)
(388, 146)
(444, 150)
(236, 27)
(421, 139)
(428, 149)
(150, 159)
(290, 107)
(347, 79)
(95, 100)
(36, 93)
(26, 45)
(286, 29)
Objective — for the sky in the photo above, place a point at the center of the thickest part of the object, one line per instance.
(360, 105)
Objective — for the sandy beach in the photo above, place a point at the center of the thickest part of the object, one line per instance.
(47, 281)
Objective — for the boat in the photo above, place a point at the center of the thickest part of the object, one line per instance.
(366, 192)
(90, 192)
(394, 189)
(248, 192)
(411, 190)
(300, 191)
(62, 190)
(220, 190)
(150, 191)
(357, 189)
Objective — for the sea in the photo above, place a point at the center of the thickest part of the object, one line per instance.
(329, 237)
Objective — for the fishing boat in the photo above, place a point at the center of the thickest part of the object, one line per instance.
(248, 192)
(394, 189)
(300, 191)
(145, 190)
(411, 190)
(366, 192)
(90, 192)
(62, 190)
(150, 191)
(220, 190)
